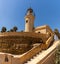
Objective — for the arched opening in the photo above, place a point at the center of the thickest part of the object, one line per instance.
(26, 21)
(6, 58)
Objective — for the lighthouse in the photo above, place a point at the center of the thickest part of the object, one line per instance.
(29, 20)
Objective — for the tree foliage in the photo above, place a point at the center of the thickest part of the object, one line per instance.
(15, 28)
(3, 29)
(56, 31)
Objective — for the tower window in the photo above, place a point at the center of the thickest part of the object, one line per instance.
(38, 32)
(26, 21)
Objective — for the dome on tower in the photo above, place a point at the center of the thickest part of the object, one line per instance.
(30, 10)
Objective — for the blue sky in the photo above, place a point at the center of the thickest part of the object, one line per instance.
(12, 13)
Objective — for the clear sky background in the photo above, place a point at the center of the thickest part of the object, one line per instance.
(12, 13)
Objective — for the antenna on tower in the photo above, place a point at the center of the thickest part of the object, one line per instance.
(30, 3)
(31, 6)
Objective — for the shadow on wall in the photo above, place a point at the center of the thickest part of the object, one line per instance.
(5, 59)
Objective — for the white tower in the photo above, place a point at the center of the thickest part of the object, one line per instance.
(29, 20)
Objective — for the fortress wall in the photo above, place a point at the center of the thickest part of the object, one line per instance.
(22, 35)
(29, 34)
(47, 57)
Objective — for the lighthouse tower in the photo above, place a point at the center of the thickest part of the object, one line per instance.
(29, 20)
